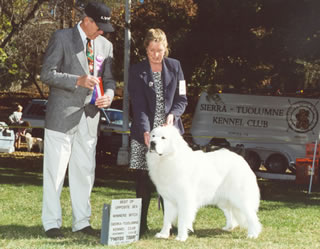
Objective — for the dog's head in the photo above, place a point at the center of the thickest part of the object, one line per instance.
(165, 140)
(28, 135)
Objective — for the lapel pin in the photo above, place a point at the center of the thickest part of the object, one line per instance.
(150, 84)
(99, 58)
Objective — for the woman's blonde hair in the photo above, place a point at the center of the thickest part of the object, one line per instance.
(156, 35)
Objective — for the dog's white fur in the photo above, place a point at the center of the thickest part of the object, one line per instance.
(31, 141)
(188, 180)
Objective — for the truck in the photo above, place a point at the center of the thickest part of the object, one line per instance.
(270, 131)
(110, 128)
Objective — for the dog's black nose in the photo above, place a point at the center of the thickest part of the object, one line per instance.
(152, 145)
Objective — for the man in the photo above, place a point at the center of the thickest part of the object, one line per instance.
(72, 115)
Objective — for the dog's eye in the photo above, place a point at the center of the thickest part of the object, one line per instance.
(163, 138)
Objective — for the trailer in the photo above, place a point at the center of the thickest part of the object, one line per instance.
(271, 131)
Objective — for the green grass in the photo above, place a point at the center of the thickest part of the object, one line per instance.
(290, 216)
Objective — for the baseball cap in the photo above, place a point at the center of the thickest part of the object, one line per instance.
(101, 14)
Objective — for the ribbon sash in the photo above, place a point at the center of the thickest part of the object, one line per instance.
(97, 91)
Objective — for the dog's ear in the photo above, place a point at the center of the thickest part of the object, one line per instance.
(177, 140)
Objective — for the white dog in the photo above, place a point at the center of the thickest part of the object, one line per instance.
(188, 180)
(31, 141)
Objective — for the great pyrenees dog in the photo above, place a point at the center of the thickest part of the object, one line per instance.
(31, 141)
(188, 180)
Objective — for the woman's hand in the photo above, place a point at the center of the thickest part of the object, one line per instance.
(170, 119)
(146, 136)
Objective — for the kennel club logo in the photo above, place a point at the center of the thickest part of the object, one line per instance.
(302, 116)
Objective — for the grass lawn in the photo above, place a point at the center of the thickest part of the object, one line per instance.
(290, 216)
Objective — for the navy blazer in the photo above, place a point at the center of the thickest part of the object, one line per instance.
(143, 96)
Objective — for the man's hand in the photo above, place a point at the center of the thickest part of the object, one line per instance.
(103, 101)
(87, 81)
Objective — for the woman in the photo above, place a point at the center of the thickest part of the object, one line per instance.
(157, 91)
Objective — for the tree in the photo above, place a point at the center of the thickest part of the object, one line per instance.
(21, 43)
(251, 44)
(244, 45)
(174, 17)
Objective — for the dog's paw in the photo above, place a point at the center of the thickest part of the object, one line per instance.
(252, 236)
(181, 238)
(162, 236)
(229, 228)
(254, 232)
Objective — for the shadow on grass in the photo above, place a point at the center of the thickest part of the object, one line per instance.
(198, 233)
(289, 194)
(11, 232)
(17, 232)
(16, 176)
(208, 233)
(23, 168)
(26, 168)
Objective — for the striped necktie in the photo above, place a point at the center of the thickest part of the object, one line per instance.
(90, 56)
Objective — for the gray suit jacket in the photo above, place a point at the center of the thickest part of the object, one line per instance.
(65, 60)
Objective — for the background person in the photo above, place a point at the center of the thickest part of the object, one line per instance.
(21, 132)
(157, 91)
(15, 120)
(16, 117)
(71, 122)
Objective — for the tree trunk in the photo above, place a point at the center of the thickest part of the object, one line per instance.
(32, 78)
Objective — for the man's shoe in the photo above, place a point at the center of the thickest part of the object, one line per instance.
(89, 231)
(54, 233)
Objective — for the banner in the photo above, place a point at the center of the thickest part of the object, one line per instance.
(260, 119)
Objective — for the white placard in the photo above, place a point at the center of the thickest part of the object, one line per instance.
(182, 87)
(124, 222)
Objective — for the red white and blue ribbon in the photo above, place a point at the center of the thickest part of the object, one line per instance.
(97, 91)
